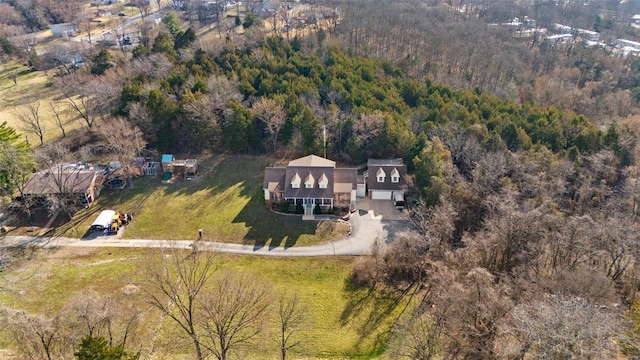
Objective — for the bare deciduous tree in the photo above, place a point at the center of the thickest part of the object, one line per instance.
(58, 118)
(472, 309)
(122, 141)
(559, 328)
(174, 283)
(39, 337)
(417, 338)
(291, 315)
(31, 120)
(272, 113)
(233, 313)
(89, 96)
(144, 7)
(63, 180)
(94, 315)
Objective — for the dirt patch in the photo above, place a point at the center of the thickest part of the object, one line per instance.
(66, 252)
(332, 230)
(129, 289)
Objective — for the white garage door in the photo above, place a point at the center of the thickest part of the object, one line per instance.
(380, 195)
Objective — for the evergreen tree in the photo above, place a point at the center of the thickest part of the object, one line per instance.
(101, 62)
(97, 348)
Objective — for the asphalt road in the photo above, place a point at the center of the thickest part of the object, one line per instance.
(366, 230)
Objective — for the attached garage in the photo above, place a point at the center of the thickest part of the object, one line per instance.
(380, 194)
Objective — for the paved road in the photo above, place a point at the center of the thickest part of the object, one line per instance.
(366, 230)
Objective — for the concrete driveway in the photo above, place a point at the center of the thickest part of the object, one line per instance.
(382, 209)
(374, 221)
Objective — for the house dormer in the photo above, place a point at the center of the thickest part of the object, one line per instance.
(395, 176)
(309, 181)
(323, 182)
(380, 175)
(295, 182)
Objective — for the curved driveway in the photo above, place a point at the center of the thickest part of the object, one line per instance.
(367, 228)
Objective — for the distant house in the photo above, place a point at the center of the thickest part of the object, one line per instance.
(310, 181)
(64, 30)
(635, 19)
(621, 43)
(103, 12)
(154, 19)
(78, 185)
(558, 39)
(587, 34)
(385, 177)
(562, 29)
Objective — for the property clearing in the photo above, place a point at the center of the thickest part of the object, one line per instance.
(225, 201)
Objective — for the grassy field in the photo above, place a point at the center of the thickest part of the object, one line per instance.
(224, 200)
(31, 86)
(341, 322)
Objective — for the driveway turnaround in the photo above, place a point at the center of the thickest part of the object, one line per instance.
(367, 228)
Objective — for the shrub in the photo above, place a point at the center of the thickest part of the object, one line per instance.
(299, 209)
(317, 210)
(285, 207)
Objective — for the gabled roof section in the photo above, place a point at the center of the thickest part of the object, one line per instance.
(295, 181)
(395, 172)
(310, 181)
(381, 173)
(312, 161)
(323, 182)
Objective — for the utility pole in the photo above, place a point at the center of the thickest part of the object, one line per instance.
(324, 139)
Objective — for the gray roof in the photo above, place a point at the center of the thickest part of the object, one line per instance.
(274, 175)
(347, 176)
(384, 162)
(340, 180)
(388, 167)
(66, 181)
(302, 191)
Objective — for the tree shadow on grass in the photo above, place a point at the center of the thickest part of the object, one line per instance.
(373, 312)
(270, 229)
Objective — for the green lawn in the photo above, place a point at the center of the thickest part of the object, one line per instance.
(224, 200)
(32, 86)
(342, 322)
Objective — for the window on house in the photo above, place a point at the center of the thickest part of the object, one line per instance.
(323, 182)
(309, 181)
(295, 182)
(380, 175)
(395, 176)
